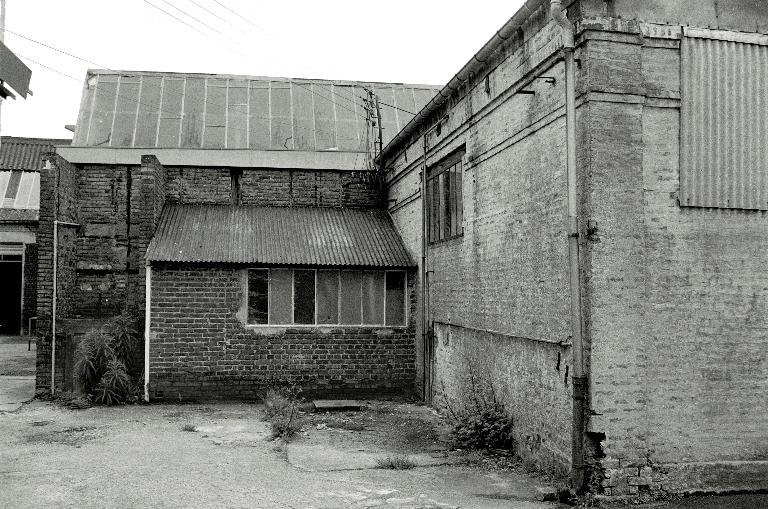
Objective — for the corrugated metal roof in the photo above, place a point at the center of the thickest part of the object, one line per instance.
(24, 153)
(170, 110)
(724, 140)
(277, 235)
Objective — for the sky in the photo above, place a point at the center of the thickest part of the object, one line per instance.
(399, 41)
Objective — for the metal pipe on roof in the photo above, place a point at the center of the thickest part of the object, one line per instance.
(476, 63)
(579, 379)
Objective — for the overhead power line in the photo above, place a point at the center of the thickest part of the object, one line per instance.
(47, 67)
(175, 17)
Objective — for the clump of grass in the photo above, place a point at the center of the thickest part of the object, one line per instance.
(483, 423)
(189, 427)
(396, 462)
(282, 409)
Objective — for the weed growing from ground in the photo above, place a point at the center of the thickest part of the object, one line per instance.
(105, 359)
(395, 462)
(482, 422)
(282, 410)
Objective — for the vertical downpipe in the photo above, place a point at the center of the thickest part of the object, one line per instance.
(147, 322)
(579, 380)
(55, 267)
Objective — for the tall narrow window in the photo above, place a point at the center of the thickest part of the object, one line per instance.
(395, 297)
(258, 296)
(304, 296)
(444, 198)
(327, 296)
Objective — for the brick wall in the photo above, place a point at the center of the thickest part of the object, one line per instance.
(674, 297)
(101, 263)
(677, 295)
(285, 188)
(199, 349)
(30, 284)
(498, 295)
(62, 205)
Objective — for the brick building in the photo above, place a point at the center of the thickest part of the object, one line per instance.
(20, 164)
(241, 212)
(593, 239)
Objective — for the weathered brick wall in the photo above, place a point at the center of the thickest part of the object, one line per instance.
(499, 294)
(677, 296)
(101, 263)
(63, 206)
(200, 350)
(30, 284)
(285, 188)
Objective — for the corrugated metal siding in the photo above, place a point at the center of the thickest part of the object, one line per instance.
(169, 110)
(24, 153)
(280, 236)
(724, 132)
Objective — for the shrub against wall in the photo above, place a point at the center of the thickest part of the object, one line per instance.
(105, 358)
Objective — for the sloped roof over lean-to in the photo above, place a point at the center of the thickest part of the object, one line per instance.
(183, 110)
(277, 236)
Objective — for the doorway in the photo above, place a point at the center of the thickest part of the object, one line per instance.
(11, 270)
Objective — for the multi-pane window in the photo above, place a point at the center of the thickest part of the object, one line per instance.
(445, 212)
(282, 296)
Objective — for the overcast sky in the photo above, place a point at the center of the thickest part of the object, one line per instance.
(401, 41)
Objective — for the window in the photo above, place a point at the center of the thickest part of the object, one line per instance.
(445, 211)
(281, 296)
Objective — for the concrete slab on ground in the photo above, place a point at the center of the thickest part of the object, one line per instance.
(15, 391)
(337, 405)
(17, 371)
(327, 458)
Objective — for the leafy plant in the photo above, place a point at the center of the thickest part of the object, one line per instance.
(483, 423)
(281, 408)
(490, 429)
(105, 356)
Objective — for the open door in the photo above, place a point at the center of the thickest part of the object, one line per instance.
(11, 269)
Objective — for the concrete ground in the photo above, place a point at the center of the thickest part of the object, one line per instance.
(17, 371)
(144, 456)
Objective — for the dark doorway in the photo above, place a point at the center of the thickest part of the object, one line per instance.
(10, 294)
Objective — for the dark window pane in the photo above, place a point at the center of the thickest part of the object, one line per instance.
(373, 298)
(350, 297)
(303, 296)
(13, 185)
(328, 296)
(436, 209)
(459, 199)
(395, 298)
(280, 297)
(258, 296)
(445, 202)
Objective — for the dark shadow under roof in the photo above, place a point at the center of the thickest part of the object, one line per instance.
(277, 236)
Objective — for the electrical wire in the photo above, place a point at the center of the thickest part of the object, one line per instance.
(214, 14)
(46, 67)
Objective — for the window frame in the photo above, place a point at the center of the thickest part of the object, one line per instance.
(315, 325)
(447, 174)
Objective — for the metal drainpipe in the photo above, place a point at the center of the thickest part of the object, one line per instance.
(147, 321)
(579, 379)
(56, 224)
